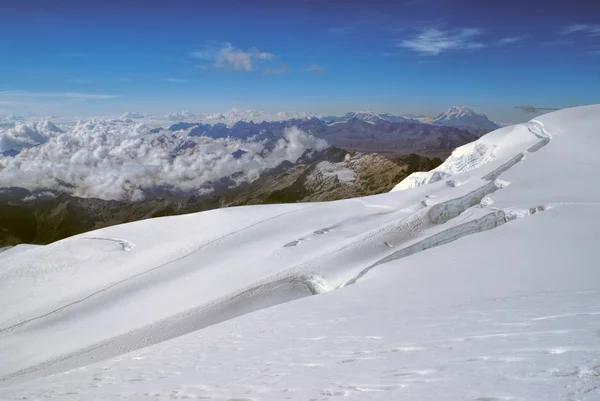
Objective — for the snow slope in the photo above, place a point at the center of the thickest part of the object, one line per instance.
(486, 290)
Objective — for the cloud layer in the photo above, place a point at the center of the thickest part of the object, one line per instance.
(115, 159)
(225, 55)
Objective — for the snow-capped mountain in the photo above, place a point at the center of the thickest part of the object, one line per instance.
(482, 285)
(367, 116)
(458, 116)
(462, 116)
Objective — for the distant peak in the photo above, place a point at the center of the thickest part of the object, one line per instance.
(463, 116)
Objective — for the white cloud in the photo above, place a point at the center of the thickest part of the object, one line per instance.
(509, 40)
(591, 30)
(255, 53)
(433, 41)
(176, 80)
(184, 115)
(26, 135)
(225, 55)
(317, 69)
(63, 95)
(132, 114)
(114, 159)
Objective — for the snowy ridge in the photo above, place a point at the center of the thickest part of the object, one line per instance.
(488, 148)
(396, 315)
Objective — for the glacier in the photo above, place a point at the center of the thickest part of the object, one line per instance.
(478, 284)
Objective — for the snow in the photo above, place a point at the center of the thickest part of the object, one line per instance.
(462, 116)
(343, 174)
(496, 146)
(487, 290)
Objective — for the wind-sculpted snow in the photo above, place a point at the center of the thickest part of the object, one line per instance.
(114, 159)
(487, 290)
(489, 148)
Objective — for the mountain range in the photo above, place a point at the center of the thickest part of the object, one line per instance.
(357, 133)
(363, 131)
(456, 116)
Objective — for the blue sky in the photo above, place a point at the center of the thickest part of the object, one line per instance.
(66, 57)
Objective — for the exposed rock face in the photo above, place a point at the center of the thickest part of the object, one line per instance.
(41, 217)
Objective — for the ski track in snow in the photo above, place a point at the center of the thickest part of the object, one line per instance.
(125, 245)
(131, 278)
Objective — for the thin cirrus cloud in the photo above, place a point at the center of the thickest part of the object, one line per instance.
(561, 42)
(317, 69)
(433, 41)
(58, 95)
(176, 80)
(590, 30)
(224, 55)
(509, 41)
